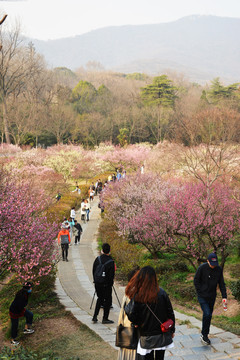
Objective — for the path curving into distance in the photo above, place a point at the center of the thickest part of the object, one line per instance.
(75, 290)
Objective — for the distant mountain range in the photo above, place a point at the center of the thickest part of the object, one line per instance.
(201, 47)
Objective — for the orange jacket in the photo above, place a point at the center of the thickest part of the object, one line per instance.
(63, 232)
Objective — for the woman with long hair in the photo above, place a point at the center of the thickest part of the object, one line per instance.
(152, 307)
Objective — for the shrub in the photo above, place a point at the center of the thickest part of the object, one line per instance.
(186, 292)
(19, 353)
(25, 354)
(235, 270)
(235, 289)
(125, 255)
(61, 209)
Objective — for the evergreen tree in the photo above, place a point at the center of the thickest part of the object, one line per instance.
(161, 94)
(218, 92)
(83, 97)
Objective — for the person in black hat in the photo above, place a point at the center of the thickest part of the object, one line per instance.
(206, 279)
(18, 309)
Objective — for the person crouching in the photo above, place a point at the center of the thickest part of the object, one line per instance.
(18, 309)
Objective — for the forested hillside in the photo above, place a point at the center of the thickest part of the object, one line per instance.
(44, 107)
(201, 47)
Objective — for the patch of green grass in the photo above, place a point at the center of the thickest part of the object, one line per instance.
(84, 344)
(228, 323)
(43, 301)
(184, 322)
(21, 353)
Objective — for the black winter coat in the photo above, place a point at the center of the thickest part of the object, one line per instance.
(78, 226)
(148, 324)
(17, 307)
(206, 280)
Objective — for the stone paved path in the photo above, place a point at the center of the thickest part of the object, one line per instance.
(76, 291)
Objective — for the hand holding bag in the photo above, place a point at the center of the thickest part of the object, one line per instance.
(126, 336)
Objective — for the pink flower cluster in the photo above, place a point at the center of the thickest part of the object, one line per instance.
(27, 239)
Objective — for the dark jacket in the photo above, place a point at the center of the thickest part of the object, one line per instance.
(206, 280)
(148, 324)
(109, 269)
(17, 307)
(78, 227)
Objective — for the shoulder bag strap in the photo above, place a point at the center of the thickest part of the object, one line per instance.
(123, 313)
(154, 314)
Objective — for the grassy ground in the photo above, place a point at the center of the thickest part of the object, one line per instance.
(57, 333)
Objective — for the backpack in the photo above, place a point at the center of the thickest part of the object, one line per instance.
(99, 275)
(64, 239)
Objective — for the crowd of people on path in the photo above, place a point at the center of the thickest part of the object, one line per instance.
(71, 229)
(120, 174)
(146, 323)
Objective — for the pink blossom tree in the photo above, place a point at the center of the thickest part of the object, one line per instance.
(135, 206)
(188, 219)
(202, 219)
(129, 158)
(86, 167)
(27, 238)
(41, 178)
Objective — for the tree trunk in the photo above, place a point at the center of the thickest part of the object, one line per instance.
(5, 122)
(159, 130)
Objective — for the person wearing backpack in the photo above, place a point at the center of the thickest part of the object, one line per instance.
(64, 239)
(103, 276)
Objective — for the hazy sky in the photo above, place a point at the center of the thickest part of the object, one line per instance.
(52, 19)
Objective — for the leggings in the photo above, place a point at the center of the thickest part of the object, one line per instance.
(14, 328)
(64, 250)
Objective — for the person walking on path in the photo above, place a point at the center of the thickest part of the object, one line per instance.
(100, 185)
(151, 306)
(64, 239)
(103, 274)
(77, 231)
(206, 279)
(83, 211)
(73, 213)
(91, 195)
(123, 353)
(18, 309)
(87, 207)
(70, 223)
